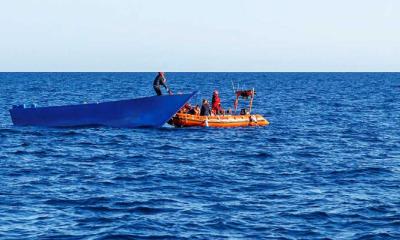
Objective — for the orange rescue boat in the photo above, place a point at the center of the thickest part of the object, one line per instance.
(244, 119)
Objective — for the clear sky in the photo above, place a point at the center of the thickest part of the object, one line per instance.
(206, 35)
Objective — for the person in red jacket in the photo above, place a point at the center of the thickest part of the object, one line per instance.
(216, 103)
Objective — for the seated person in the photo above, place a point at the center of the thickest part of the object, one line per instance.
(185, 108)
(244, 111)
(195, 110)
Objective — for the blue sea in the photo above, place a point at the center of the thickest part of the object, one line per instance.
(327, 167)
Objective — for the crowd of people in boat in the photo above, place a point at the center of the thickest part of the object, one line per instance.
(206, 109)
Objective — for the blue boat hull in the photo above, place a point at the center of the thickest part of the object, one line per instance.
(142, 112)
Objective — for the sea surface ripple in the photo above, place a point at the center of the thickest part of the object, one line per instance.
(328, 166)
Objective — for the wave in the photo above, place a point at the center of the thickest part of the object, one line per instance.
(167, 147)
(379, 235)
(138, 236)
(151, 210)
(363, 171)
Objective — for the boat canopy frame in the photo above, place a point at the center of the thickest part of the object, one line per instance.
(245, 94)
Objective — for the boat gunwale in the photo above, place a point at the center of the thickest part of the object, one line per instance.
(184, 119)
(96, 104)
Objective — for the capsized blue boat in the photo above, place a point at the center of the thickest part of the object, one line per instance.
(141, 112)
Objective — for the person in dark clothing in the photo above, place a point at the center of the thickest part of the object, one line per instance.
(159, 81)
(205, 108)
(194, 111)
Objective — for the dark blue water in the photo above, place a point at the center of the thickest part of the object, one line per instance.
(328, 166)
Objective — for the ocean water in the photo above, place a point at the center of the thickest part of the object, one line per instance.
(328, 166)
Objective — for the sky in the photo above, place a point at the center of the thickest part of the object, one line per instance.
(207, 35)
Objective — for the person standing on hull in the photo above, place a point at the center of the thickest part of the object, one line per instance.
(159, 81)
